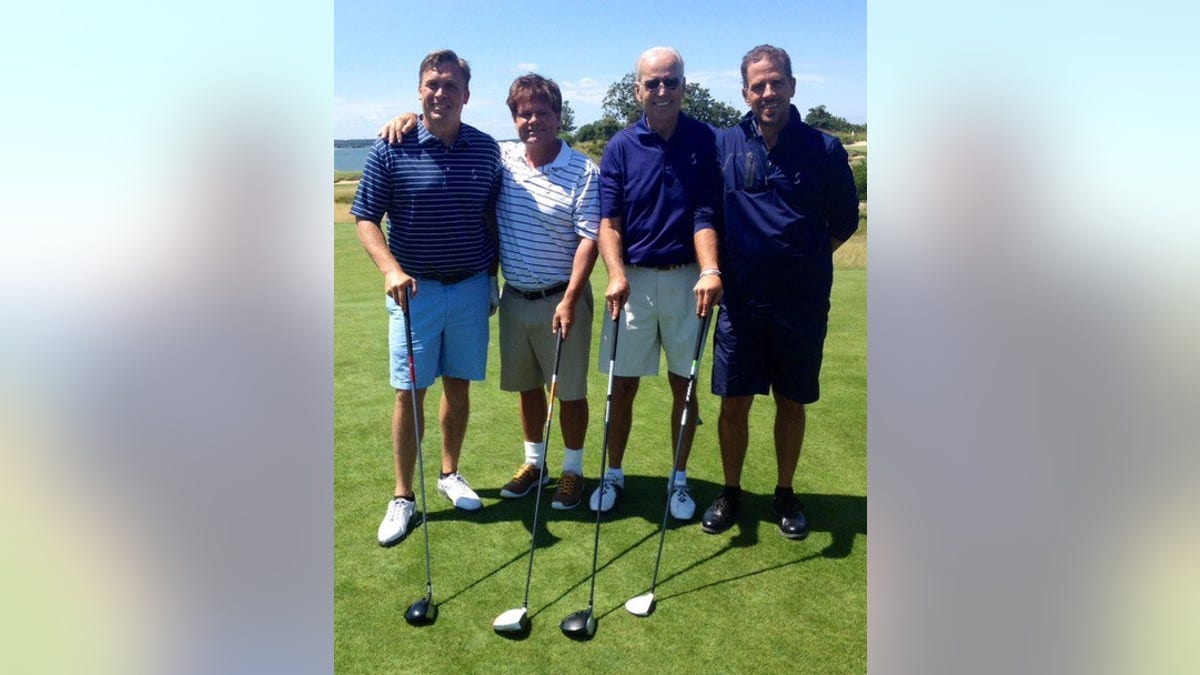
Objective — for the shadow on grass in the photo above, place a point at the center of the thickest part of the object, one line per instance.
(843, 516)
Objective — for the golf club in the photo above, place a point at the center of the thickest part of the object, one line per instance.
(643, 605)
(581, 625)
(517, 620)
(423, 611)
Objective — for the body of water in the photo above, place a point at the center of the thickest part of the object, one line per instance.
(350, 159)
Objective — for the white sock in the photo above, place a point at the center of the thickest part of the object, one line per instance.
(573, 461)
(616, 473)
(534, 453)
(681, 476)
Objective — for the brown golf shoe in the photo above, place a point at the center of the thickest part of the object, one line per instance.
(569, 492)
(523, 481)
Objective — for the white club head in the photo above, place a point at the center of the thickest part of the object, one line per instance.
(511, 621)
(640, 605)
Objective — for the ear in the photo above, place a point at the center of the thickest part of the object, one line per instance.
(466, 95)
(746, 95)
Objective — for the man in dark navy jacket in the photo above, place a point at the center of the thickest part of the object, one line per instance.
(789, 202)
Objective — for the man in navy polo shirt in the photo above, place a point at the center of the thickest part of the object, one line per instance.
(789, 202)
(658, 178)
(437, 187)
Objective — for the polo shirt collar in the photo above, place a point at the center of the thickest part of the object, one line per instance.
(426, 137)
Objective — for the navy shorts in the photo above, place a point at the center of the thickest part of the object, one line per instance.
(757, 349)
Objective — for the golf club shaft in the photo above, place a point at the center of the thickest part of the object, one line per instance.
(412, 377)
(612, 369)
(537, 500)
(683, 419)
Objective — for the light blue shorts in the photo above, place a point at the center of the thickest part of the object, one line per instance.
(450, 331)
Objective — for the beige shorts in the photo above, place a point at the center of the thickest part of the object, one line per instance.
(527, 345)
(660, 313)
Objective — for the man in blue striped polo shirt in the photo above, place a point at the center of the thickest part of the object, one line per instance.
(436, 187)
(548, 214)
(658, 180)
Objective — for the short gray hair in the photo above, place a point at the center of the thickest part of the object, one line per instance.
(637, 68)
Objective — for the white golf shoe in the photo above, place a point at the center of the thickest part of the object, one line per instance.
(611, 486)
(683, 507)
(395, 522)
(459, 493)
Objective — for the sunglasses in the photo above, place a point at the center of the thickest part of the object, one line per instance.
(671, 83)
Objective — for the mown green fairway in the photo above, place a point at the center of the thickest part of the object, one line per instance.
(745, 601)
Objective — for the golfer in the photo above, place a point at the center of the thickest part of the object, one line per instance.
(789, 203)
(658, 243)
(440, 247)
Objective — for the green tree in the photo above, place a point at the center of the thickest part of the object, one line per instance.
(600, 130)
(567, 124)
(821, 118)
(699, 103)
(620, 104)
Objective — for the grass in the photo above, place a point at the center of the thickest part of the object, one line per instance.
(748, 600)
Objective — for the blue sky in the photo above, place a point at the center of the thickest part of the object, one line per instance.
(585, 47)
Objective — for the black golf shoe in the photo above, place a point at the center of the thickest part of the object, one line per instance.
(721, 515)
(792, 523)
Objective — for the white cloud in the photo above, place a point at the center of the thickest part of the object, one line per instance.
(524, 67)
(585, 90)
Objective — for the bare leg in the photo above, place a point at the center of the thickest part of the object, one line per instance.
(789, 436)
(678, 393)
(533, 414)
(621, 418)
(574, 421)
(404, 442)
(734, 431)
(456, 406)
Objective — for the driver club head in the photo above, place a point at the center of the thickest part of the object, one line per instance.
(422, 612)
(580, 625)
(511, 622)
(641, 605)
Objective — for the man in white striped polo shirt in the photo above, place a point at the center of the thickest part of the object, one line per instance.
(548, 214)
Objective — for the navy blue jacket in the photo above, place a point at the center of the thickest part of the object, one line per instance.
(780, 209)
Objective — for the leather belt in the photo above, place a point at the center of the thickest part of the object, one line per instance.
(537, 295)
(447, 278)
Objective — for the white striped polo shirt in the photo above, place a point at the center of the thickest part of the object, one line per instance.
(542, 213)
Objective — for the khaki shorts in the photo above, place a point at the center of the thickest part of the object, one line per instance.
(660, 314)
(527, 345)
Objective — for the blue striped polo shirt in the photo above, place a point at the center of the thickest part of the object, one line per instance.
(542, 214)
(435, 198)
(663, 190)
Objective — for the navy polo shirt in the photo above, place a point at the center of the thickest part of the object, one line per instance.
(662, 190)
(780, 209)
(435, 197)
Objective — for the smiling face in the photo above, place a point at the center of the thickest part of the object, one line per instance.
(537, 125)
(769, 93)
(660, 102)
(443, 92)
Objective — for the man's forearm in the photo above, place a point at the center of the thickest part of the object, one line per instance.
(371, 237)
(610, 246)
(585, 260)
